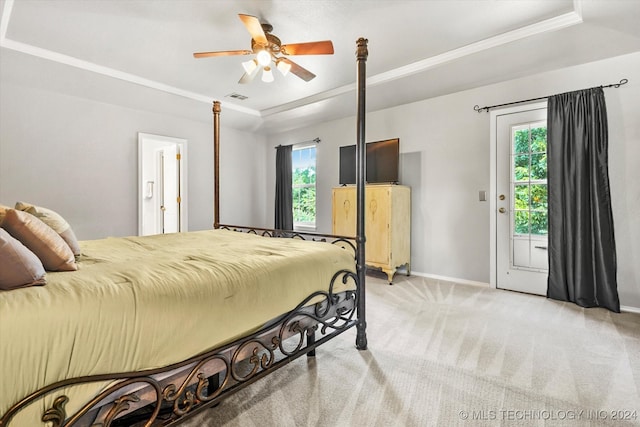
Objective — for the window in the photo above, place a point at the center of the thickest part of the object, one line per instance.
(529, 195)
(304, 186)
(530, 179)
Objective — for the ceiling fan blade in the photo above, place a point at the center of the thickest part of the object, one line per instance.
(299, 71)
(254, 27)
(248, 77)
(324, 47)
(221, 53)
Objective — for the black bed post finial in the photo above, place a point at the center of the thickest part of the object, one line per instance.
(216, 164)
(362, 53)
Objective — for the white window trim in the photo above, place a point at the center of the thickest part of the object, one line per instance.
(307, 226)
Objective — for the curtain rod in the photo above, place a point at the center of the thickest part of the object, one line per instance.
(316, 140)
(487, 108)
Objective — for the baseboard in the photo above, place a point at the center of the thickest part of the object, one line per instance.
(623, 308)
(451, 279)
(627, 309)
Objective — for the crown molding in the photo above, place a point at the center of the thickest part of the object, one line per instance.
(548, 25)
(100, 69)
(552, 24)
(116, 74)
(4, 22)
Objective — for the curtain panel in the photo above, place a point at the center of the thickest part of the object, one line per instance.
(582, 252)
(284, 191)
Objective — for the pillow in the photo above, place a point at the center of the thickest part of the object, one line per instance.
(54, 252)
(55, 221)
(3, 211)
(19, 266)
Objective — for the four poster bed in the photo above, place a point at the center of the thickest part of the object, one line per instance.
(150, 330)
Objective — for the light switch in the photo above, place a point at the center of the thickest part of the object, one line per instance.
(482, 195)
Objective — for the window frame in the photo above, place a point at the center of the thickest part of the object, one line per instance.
(305, 226)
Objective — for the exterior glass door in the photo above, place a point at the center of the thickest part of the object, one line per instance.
(521, 206)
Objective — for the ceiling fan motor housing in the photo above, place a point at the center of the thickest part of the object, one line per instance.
(273, 42)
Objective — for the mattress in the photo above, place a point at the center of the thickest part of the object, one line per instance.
(139, 303)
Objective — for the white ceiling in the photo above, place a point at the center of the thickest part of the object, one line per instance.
(417, 49)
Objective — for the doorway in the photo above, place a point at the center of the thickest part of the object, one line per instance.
(519, 215)
(161, 184)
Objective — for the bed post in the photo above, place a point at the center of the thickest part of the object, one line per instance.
(216, 164)
(362, 53)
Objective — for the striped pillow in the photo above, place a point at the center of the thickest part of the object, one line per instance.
(55, 221)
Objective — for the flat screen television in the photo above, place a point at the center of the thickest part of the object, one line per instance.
(382, 162)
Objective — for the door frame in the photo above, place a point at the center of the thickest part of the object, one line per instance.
(493, 181)
(145, 143)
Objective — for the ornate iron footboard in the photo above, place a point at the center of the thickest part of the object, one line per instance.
(164, 396)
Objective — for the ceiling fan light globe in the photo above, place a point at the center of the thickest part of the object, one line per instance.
(264, 58)
(267, 75)
(284, 67)
(249, 66)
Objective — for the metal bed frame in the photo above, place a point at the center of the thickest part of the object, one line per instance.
(168, 395)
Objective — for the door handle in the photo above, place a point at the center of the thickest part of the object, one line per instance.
(502, 210)
(541, 247)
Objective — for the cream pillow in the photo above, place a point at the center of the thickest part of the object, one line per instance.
(52, 250)
(19, 266)
(3, 211)
(55, 221)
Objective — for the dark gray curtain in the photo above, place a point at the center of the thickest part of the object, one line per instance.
(284, 195)
(582, 251)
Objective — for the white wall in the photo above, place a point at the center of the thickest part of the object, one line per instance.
(78, 155)
(68, 141)
(444, 147)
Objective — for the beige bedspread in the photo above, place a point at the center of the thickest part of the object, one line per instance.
(146, 302)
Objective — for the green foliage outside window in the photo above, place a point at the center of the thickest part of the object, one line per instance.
(304, 195)
(530, 174)
(304, 185)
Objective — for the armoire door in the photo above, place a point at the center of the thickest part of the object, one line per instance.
(344, 211)
(377, 224)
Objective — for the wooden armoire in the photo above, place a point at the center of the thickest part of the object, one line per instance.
(387, 224)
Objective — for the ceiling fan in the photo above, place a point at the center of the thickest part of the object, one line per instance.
(268, 49)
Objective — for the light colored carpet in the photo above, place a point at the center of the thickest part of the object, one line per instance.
(443, 354)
